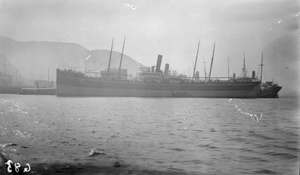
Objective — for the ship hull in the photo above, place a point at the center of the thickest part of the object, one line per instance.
(9, 90)
(69, 84)
(271, 92)
(267, 90)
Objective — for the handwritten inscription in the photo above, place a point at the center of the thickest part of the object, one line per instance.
(10, 164)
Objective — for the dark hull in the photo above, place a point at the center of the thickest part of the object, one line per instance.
(9, 90)
(76, 84)
(38, 91)
(270, 92)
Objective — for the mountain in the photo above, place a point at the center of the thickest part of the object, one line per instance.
(32, 59)
(98, 60)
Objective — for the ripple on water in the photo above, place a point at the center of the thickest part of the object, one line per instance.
(286, 156)
(265, 171)
(208, 146)
(177, 149)
(261, 136)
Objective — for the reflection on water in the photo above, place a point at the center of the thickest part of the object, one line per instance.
(150, 135)
(254, 117)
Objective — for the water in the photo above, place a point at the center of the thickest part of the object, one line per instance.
(150, 135)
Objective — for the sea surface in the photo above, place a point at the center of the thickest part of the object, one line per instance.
(103, 135)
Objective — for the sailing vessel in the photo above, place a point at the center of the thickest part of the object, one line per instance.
(6, 80)
(151, 82)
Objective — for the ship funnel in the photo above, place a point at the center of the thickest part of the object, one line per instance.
(158, 63)
(253, 74)
(152, 68)
(197, 76)
(166, 72)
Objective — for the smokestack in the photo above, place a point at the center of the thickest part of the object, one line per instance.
(166, 72)
(158, 63)
(152, 68)
(253, 74)
(197, 76)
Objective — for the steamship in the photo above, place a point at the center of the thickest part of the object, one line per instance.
(152, 82)
(6, 80)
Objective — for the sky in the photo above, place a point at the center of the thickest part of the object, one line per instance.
(171, 28)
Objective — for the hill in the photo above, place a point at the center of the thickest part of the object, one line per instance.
(98, 60)
(32, 59)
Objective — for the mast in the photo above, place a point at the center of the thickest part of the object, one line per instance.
(112, 44)
(261, 66)
(204, 69)
(212, 59)
(244, 71)
(17, 75)
(4, 66)
(196, 60)
(228, 66)
(48, 76)
(121, 57)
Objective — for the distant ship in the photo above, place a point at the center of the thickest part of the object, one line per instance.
(269, 89)
(151, 82)
(6, 80)
(5, 83)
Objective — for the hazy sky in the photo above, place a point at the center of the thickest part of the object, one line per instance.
(169, 27)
